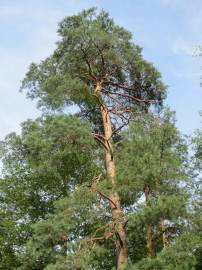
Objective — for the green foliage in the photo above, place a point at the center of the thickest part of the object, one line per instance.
(54, 199)
(9, 239)
(52, 155)
(153, 151)
(64, 238)
(92, 48)
(181, 255)
(46, 162)
(153, 155)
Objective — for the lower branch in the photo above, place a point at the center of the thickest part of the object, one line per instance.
(101, 238)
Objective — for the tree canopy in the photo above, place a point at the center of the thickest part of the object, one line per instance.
(103, 179)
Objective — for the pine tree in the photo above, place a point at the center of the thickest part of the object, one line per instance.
(153, 164)
(78, 233)
(97, 67)
(43, 164)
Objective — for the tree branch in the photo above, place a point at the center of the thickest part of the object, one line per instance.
(105, 237)
(128, 96)
(88, 64)
(93, 188)
(119, 85)
(100, 140)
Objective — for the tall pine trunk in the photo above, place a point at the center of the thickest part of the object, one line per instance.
(117, 212)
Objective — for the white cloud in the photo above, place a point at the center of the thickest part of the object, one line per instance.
(182, 47)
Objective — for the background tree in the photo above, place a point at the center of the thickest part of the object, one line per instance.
(10, 238)
(153, 163)
(83, 241)
(45, 163)
(185, 251)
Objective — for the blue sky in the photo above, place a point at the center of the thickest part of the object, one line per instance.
(168, 30)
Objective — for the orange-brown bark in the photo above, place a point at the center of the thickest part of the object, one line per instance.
(117, 213)
(149, 236)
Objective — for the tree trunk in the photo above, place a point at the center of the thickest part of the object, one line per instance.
(117, 213)
(149, 234)
(163, 233)
(164, 240)
(149, 231)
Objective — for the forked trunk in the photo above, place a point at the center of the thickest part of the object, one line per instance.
(117, 213)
